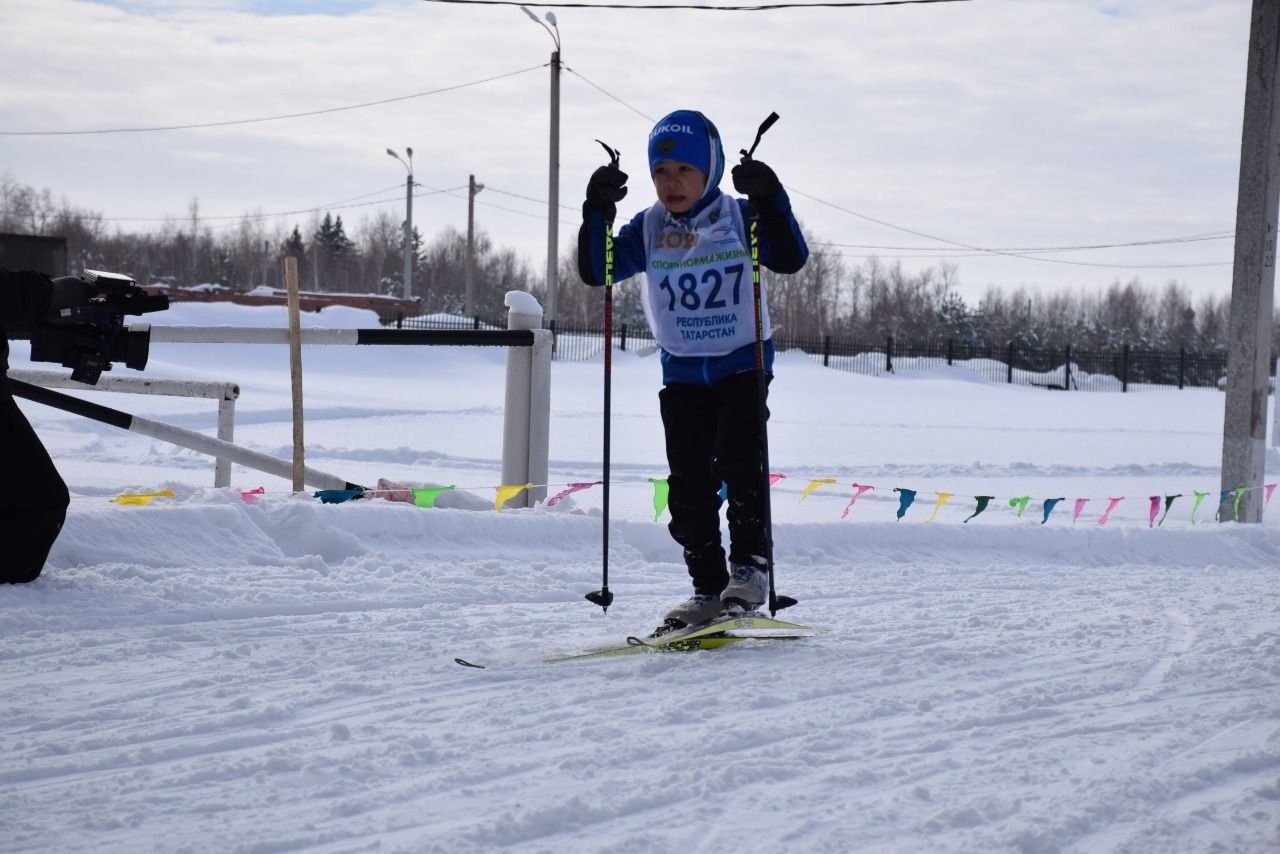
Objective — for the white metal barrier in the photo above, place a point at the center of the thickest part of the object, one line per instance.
(223, 392)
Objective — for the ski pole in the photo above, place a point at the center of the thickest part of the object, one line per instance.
(776, 602)
(603, 597)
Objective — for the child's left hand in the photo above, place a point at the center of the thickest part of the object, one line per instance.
(755, 180)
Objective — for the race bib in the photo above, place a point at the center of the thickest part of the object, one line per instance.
(698, 297)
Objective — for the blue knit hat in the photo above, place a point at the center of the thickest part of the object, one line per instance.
(689, 137)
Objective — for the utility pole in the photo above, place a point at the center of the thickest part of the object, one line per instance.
(1253, 278)
(472, 189)
(553, 170)
(408, 221)
(553, 190)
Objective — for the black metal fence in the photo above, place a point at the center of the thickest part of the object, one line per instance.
(1063, 368)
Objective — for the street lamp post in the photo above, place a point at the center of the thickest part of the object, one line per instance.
(408, 220)
(553, 191)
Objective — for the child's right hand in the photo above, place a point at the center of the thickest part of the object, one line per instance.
(607, 187)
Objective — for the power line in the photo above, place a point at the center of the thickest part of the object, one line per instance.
(1163, 241)
(526, 198)
(281, 117)
(610, 94)
(769, 7)
(337, 206)
(1002, 252)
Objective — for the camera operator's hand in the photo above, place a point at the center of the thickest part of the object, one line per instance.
(67, 294)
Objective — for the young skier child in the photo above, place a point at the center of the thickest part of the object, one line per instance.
(693, 248)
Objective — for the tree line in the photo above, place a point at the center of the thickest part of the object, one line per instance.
(868, 300)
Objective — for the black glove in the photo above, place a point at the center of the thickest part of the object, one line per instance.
(755, 180)
(606, 188)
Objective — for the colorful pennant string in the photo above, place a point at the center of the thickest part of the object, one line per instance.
(1158, 510)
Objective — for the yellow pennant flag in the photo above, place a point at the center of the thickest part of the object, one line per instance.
(142, 499)
(814, 484)
(506, 493)
(942, 499)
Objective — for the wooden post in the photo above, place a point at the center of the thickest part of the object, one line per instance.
(1244, 432)
(295, 369)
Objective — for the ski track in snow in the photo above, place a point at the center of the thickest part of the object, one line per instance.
(956, 699)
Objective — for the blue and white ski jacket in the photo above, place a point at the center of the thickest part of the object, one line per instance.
(698, 294)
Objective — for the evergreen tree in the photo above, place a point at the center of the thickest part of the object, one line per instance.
(294, 245)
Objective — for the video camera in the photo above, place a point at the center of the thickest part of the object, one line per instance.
(85, 329)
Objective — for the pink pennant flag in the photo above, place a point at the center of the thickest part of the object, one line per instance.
(1111, 505)
(251, 496)
(573, 487)
(861, 489)
(1270, 488)
(774, 478)
(1080, 503)
(1155, 511)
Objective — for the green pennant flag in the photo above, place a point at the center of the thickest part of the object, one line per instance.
(427, 497)
(1168, 502)
(1200, 496)
(1020, 503)
(661, 490)
(1235, 505)
(983, 501)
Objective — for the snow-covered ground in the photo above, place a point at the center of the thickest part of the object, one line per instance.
(207, 674)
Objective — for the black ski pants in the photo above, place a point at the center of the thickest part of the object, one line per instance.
(34, 505)
(713, 438)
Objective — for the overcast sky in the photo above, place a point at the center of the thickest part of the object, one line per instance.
(1005, 124)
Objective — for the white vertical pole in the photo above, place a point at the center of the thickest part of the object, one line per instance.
(523, 313)
(539, 413)
(226, 433)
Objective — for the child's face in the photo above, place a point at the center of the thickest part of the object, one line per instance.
(679, 185)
